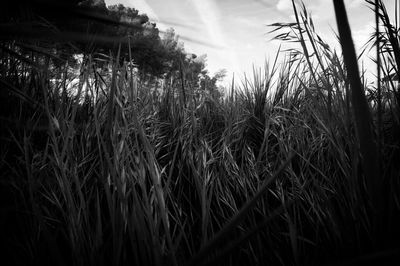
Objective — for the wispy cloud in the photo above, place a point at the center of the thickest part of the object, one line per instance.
(144, 7)
(210, 17)
(284, 5)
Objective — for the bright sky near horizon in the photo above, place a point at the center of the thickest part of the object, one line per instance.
(236, 31)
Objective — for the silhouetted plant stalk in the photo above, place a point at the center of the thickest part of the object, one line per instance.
(379, 87)
(362, 115)
(391, 31)
(303, 43)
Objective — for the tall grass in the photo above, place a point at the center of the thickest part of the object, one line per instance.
(280, 171)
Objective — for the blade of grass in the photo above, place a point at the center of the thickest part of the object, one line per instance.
(235, 220)
(363, 118)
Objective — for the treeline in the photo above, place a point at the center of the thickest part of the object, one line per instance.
(66, 28)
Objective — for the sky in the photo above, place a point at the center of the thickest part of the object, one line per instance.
(234, 33)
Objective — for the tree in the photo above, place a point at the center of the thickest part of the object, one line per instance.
(147, 49)
(89, 27)
(174, 51)
(209, 84)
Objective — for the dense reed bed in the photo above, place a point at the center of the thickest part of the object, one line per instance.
(296, 165)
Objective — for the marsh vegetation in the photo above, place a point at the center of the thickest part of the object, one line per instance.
(146, 161)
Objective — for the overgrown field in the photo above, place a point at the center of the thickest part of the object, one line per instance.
(298, 164)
